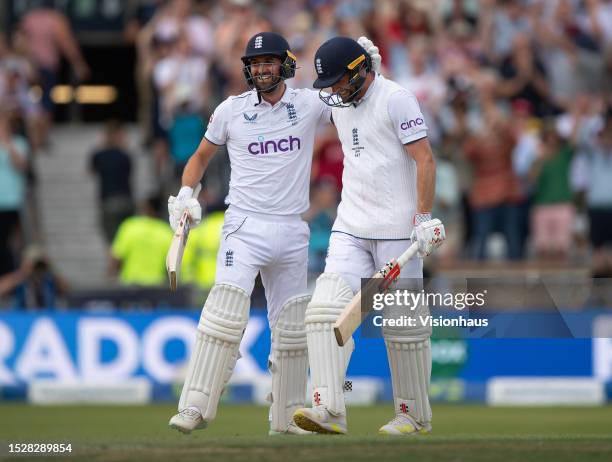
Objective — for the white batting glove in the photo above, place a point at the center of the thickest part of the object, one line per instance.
(428, 233)
(183, 201)
(372, 50)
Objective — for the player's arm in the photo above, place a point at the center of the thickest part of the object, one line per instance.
(216, 135)
(422, 154)
(198, 163)
(411, 130)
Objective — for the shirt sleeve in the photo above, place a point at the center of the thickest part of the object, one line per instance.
(326, 110)
(217, 131)
(406, 117)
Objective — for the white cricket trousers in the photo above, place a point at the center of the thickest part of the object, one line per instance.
(355, 258)
(274, 245)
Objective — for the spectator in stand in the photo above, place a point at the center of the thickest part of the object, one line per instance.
(138, 15)
(320, 218)
(423, 79)
(524, 77)
(240, 20)
(599, 196)
(328, 159)
(112, 166)
(502, 21)
(181, 80)
(13, 168)
(184, 136)
(138, 252)
(447, 204)
(495, 192)
(200, 257)
(35, 284)
(16, 77)
(524, 154)
(47, 36)
(572, 49)
(553, 213)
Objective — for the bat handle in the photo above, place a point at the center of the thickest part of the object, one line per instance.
(408, 254)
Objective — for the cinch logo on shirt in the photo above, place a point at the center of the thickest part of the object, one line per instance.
(274, 146)
(412, 123)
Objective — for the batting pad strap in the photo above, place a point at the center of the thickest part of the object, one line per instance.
(410, 364)
(328, 361)
(288, 363)
(223, 320)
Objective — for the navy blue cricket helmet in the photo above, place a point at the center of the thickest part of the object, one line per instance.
(269, 44)
(337, 57)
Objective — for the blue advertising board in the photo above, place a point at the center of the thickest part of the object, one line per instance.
(71, 346)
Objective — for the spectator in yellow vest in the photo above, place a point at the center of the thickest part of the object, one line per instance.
(138, 252)
(200, 257)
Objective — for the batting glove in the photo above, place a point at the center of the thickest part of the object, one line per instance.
(183, 201)
(372, 50)
(428, 233)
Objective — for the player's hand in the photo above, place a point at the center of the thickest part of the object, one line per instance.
(429, 234)
(183, 201)
(372, 50)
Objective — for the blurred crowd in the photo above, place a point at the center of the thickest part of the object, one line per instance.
(516, 94)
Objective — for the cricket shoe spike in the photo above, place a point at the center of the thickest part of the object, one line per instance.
(187, 420)
(319, 420)
(404, 425)
(292, 429)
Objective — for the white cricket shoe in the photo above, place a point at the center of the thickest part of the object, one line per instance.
(319, 420)
(187, 420)
(292, 429)
(404, 425)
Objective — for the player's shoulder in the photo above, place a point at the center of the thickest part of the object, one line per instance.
(396, 89)
(236, 102)
(303, 94)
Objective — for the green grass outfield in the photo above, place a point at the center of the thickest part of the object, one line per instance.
(461, 433)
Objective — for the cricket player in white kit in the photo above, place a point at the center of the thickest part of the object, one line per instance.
(269, 132)
(387, 197)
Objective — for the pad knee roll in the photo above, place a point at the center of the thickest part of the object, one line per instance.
(288, 363)
(222, 323)
(328, 361)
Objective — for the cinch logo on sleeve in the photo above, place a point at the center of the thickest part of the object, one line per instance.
(274, 146)
(412, 123)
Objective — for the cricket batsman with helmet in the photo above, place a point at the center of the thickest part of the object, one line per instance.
(387, 197)
(269, 132)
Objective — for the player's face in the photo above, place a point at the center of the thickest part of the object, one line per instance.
(342, 88)
(265, 71)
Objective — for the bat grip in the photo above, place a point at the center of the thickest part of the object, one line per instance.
(408, 254)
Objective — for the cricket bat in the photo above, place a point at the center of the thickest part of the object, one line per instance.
(174, 257)
(351, 316)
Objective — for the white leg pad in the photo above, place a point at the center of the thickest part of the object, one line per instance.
(288, 363)
(328, 361)
(214, 355)
(409, 353)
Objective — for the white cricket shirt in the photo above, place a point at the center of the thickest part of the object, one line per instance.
(270, 148)
(379, 195)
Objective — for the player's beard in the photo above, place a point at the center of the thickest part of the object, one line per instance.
(266, 86)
